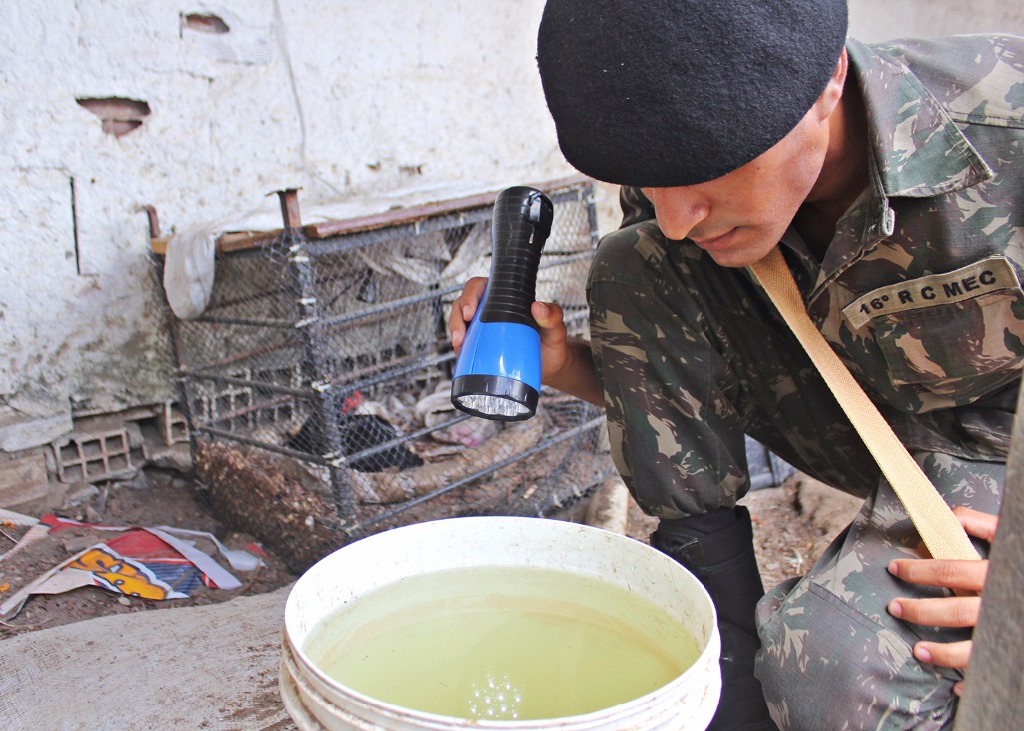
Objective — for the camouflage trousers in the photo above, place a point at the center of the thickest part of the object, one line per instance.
(691, 356)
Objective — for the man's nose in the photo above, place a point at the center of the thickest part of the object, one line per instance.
(679, 210)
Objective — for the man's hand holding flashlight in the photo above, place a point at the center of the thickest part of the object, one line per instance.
(565, 364)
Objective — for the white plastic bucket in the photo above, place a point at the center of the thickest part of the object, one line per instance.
(315, 701)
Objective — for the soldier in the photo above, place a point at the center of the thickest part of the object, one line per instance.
(891, 177)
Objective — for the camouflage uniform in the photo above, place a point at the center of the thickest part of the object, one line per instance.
(918, 293)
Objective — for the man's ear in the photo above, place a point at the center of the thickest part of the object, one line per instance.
(829, 99)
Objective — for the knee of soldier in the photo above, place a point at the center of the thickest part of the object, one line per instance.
(823, 664)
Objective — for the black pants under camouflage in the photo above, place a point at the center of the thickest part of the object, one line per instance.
(692, 356)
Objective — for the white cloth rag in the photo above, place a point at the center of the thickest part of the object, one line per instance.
(188, 270)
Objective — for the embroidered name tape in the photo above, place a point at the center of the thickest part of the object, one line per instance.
(982, 277)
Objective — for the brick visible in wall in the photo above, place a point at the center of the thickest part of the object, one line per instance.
(92, 457)
(204, 23)
(227, 38)
(171, 426)
(118, 114)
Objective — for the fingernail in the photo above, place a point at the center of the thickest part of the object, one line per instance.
(893, 568)
(958, 689)
(922, 653)
(895, 608)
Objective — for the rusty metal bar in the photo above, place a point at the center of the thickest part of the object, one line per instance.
(290, 207)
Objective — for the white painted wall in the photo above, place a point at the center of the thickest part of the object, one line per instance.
(342, 98)
(881, 20)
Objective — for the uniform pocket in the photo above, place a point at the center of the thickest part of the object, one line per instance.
(959, 334)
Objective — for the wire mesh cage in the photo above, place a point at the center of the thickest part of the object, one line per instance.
(316, 384)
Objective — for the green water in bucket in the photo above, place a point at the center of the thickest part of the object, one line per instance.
(502, 643)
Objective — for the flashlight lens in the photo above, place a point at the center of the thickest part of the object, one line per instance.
(494, 397)
(493, 405)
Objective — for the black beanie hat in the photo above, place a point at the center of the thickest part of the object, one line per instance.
(665, 93)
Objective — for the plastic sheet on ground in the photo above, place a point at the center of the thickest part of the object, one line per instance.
(152, 563)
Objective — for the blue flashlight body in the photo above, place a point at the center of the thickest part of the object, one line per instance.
(497, 373)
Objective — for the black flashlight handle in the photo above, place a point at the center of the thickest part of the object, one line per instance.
(520, 224)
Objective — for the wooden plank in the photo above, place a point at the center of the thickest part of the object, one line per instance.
(412, 214)
(397, 216)
(241, 240)
(994, 689)
(231, 241)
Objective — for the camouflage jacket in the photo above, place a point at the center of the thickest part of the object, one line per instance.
(919, 291)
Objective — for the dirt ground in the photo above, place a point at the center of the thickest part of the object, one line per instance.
(793, 523)
(153, 498)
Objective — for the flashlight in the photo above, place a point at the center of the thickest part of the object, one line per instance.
(497, 373)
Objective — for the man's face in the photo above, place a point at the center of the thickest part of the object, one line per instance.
(739, 217)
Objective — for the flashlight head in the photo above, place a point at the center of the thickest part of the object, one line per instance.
(497, 374)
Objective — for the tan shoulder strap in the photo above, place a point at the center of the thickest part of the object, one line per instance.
(941, 531)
